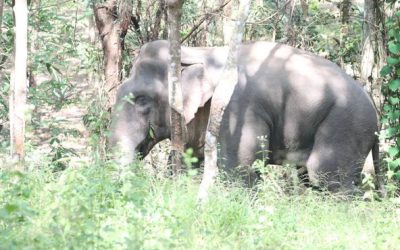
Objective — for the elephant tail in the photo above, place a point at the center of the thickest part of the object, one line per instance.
(377, 166)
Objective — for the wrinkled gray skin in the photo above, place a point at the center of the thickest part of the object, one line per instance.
(311, 112)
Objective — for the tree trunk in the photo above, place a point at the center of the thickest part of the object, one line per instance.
(178, 125)
(203, 36)
(217, 39)
(344, 30)
(228, 24)
(18, 81)
(2, 58)
(304, 8)
(1, 14)
(345, 11)
(112, 27)
(92, 29)
(288, 9)
(221, 97)
(373, 53)
(156, 29)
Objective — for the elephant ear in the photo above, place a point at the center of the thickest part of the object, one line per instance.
(196, 90)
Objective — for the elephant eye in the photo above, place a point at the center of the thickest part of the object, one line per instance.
(141, 100)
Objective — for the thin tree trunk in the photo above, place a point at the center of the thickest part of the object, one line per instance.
(220, 100)
(345, 15)
(345, 11)
(304, 8)
(373, 53)
(217, 39)
(92, 29)
(203, 36)
(228, 24)
(291, 33)
(1, 14)
(156, 29)
(136, 18)
(112, 27)
(18, 81)
(1, 23)
(178, 125)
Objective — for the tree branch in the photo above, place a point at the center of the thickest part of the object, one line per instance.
(202, 20)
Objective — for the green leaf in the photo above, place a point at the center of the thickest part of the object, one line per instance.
(192, 172)
(394, 47)
(151, 132)
(387, 108)
(393, 151)
(392, 33)
(393, 165)
(386, 70)
(394, 84)
(393, 115)
(129, 98)
(391, 132)
(189, 151)
(10, 208)
(392, 61)
(394, 100)
(389, 23)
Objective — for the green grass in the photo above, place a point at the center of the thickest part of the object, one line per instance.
(106, 207)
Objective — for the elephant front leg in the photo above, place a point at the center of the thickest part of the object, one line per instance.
(253, 156)
(243, 142)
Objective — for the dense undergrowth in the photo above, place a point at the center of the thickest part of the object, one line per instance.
(391, 117)
(102, 206)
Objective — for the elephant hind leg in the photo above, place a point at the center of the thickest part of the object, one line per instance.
(326, 171)
(335, 163)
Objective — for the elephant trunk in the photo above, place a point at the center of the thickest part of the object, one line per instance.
(123, 149)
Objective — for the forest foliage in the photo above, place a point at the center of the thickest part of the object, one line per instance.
(391, 118)
(64, 200)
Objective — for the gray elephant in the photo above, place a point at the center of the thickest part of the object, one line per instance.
(310, 111)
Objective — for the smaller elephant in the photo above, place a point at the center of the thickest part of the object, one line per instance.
(312, 114)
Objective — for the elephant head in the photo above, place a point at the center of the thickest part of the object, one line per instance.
(140, 117)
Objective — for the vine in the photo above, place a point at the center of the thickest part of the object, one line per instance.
(391, 89)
